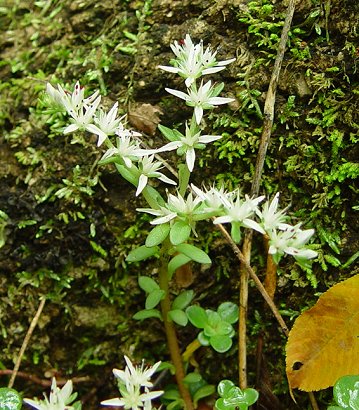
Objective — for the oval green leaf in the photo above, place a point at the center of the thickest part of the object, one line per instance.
(220, 343)
(141, 253)
(224, 387)
(228, 312)
(147, 284)
(154, 298)
(194, 253)
(178, 316)
(176, 262)
(180, 232)
(197, 316)
(183, 300)
(158, 234)
(146, 314)
(346, 391)
(203, 392)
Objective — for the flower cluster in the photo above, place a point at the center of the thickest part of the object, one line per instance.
(134, 385)
(60, 399)
(191, 62)
(86, 115)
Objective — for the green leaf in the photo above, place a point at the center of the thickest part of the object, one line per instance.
(228, 312)
(192, 378)
(236, 232)
(154, 298)
(167, 132)
(176, 262)
(220, 343)
(183, 300)
(346, 392)
(197, 316)
(180, 232)
(224, 387)
(146, 314)
(178, 316)
(203, 339)
(147, 284)
(10, 399)
(141, 253)
(194, 253)
(203, 392)
(158, 234)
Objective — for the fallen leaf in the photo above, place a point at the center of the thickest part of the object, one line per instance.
(145, 118)
(323, 344)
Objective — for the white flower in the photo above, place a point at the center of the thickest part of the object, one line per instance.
(139, 376)
(187, 143)
(176, 206)
(134, 387)
(133, 399)
(203, 98)
(270, 219)
(214, 198)
(291, 242)
(240, 210)
(149, 169)
(59, 398)
(126, 148)
(106, 124)
(192, 61)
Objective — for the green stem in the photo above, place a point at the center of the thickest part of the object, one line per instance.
(172, 341)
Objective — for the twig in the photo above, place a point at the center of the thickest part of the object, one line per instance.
(26, 341)
(264, 142)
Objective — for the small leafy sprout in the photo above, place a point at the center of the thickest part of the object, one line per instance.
(346, 393)
(134, 385)
(154, 297)
(10, 399)
(232, 397)
(60, 399)
(217, 326)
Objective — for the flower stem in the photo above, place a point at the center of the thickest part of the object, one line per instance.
(170, 330)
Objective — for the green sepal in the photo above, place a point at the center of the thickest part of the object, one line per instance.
(180, 232)
(154, 298)
(147, 313)
(141, 253)
(194, 253)
(158, 234)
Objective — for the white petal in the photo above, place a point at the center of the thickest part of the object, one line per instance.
(212, 70)
(219, 100)
(163, 178)
(113, 402)
(169, 69)
(249, 223)
(178, 94)
(71, 128)
(223, 220)
(142, 182)
(170, 146)
(190, 158)
(164, 219)
(95, 130)
(209, 138)
(225, 62)
(198, 112)
(33, 403)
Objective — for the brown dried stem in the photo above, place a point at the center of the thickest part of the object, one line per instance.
(264, 142)
(26, 342)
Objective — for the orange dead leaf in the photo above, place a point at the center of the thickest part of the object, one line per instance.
(323, 344)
